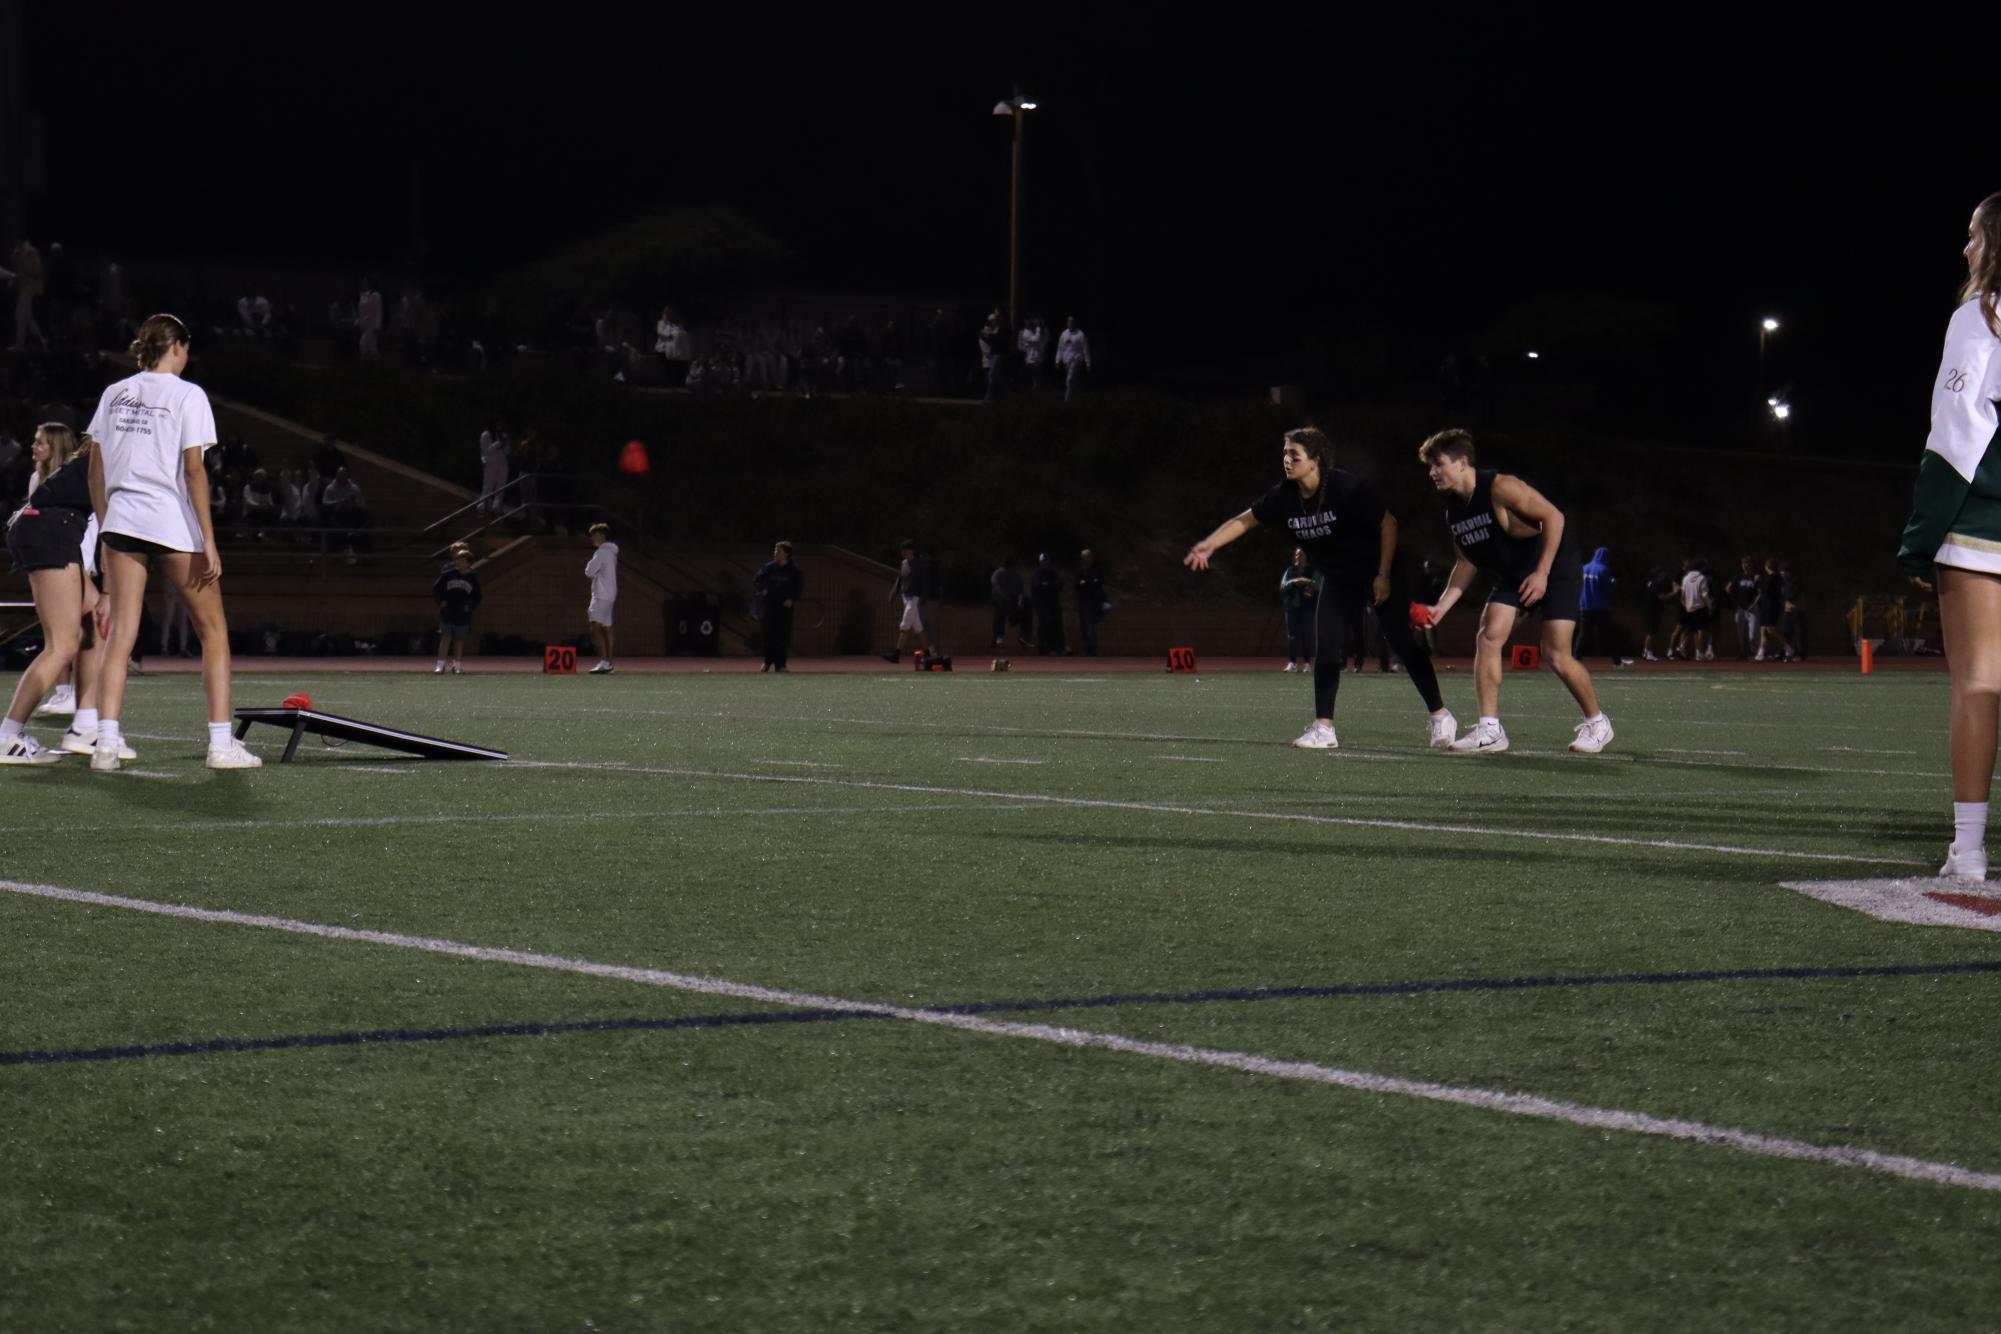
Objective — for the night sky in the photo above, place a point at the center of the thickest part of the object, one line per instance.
(1243, 181)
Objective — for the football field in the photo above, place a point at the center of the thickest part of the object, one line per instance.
(1037, 1001)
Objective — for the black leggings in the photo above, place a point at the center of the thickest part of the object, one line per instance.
(1341, 606)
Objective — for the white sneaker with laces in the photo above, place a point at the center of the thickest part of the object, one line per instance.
(233, 755)
(1593, 735)
(1483, 739)
(1444, 730)
(103, 760)
(83, 743)
(61, 702)
(1320, 736)
(24, 749)
(1964, 865)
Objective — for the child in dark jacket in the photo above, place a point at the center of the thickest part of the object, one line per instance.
(456, 593)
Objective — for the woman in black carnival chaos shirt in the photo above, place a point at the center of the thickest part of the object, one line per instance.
(1350, 535)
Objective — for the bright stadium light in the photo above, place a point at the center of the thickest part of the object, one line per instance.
(1782, 411)
(1770, 325)
(1535, 356)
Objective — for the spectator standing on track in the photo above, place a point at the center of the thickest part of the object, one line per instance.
(602, 571)
(904, 590)
(1010, 601)
(150, 493)
(1661, 589)
(1299, 586)
(1953, 539)
(1594, 633)
(1744, 607)
(457, 594)
(781, 584)
(1073, 357)
(1792, 623)
(1045, 590)
(1093, 603)
(1772, 646)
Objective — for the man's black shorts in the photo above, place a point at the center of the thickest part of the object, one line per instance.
(1561, 600)
(47, 539)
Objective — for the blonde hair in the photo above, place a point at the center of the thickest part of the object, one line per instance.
(157, 337)
(1984, 282)
(63, 446)
(604, 528)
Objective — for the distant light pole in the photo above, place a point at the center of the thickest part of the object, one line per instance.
(1766, 328)
(1016, 106)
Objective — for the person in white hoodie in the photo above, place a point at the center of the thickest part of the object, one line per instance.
(602, 571)
(1953, 540)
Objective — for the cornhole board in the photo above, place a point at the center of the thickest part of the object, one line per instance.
(302, 721)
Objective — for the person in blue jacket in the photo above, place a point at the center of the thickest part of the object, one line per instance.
(1594, 631)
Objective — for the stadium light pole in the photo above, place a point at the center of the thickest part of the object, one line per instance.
(1017, 107)
(1766, 328)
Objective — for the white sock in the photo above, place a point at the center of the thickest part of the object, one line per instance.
(9, 729)
(1486, 721)
(1969, 826)
(1597, 717)
(218, 735)
(86, 721)
(108, 733)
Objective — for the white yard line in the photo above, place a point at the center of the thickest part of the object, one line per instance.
(1191, 759)
(990, 759)
(1491, 1100)
(526, 817)
(1864, 750)
(1672, 750)
(1166, 808)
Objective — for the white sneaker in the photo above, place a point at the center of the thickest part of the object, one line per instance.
(1593, 735)
(1760, 657)
(438, 670)
(1964, 865)
(232, 755)
(24, 749)
(61, 702)
(1292, 666)
(83, 743)
(602, 668)
(458, 669)
(1320, 736)
(1648, 654)
(1483, 738)
(1444, 729)
(103, 760)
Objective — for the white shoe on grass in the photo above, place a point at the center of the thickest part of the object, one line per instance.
(1485, 738)
(233, 754)
(104, 759)
(1964, 865)
(1593, 735)
(83, 743)
(1444, 730)
(24, 749)
(1320, 736)
(61, 703)
(1292, 667)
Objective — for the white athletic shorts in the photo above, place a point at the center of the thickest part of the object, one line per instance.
(913, 619)
(599, 613)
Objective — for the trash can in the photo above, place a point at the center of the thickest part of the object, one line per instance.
(694, 625)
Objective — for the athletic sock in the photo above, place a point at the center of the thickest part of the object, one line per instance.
(86, 721)
(1969, 826)
(9, 729)
(218, 735)
(1485, 720)
(108, 733)
(1597, 717)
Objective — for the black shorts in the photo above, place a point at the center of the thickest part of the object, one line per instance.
(138, 546)
(1697, 618)
(47, 539)
(1561, 599)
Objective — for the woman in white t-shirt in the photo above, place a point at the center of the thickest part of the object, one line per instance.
(151, 494)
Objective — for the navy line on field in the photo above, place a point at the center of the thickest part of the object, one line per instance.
(370, 1037)
(377, 1036)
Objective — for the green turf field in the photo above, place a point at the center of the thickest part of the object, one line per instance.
(733, 1161)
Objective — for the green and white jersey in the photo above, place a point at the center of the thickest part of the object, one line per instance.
(1956, 511)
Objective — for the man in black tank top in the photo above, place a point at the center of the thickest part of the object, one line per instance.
(1504, 526)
